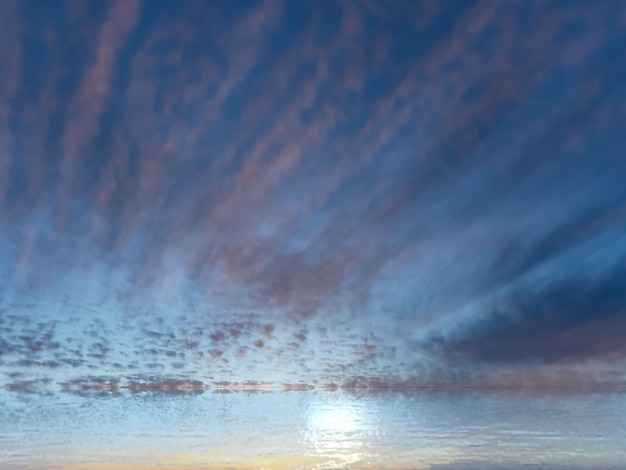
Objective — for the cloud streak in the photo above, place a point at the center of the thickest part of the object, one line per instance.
(566, 320)
(331, 193)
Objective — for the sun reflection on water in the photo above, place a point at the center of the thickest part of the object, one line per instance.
(337, 431)
(335, 419)
(285, 431)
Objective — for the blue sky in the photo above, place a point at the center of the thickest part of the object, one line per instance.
(358, 193)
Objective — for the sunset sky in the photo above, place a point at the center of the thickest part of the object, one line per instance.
(360, 194)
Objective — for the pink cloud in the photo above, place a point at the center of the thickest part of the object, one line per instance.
(88, 103)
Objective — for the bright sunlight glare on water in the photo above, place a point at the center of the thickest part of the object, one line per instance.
(314, 430)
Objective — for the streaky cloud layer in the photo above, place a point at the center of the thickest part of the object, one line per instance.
(337, 194)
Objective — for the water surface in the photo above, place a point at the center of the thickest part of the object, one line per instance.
(425, 429)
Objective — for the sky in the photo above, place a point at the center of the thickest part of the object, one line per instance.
(330, 194)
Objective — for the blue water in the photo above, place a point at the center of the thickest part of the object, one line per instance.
(425, 429)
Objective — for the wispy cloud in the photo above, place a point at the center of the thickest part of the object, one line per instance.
(565, 320)
(311, 190)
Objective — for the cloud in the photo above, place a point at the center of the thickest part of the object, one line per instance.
(519, 257)
(10, 59)
(566, 320)
(263, 188)
(268, 330)
(92, 386)
(217, 337)
(38, 386)
(90, 99)
(166, 386)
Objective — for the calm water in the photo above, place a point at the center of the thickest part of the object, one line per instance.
(442, 430)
